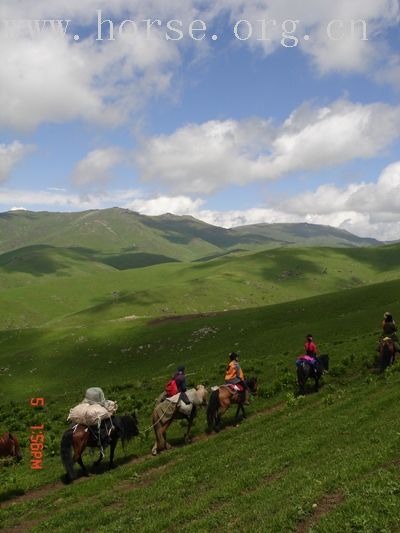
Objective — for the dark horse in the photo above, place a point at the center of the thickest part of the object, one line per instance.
(221, 398)
(9, 446)
(80, 436)
(387, 353)
(307, 370)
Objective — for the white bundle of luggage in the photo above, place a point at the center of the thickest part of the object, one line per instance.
(93, 409)
(184, 408)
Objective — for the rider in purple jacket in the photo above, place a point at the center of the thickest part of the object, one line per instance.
(180, 380)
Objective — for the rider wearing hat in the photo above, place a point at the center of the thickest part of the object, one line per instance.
(389, 329)
(180, 380)
(234, 376)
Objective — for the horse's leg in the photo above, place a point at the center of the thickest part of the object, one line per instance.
(84, 469)
(161, 441)
(113, 444)
(224, 404)
(190, 423)
(99, 460)
(167, 446)
(300, 382)
(80, 441)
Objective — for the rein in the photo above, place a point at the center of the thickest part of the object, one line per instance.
(145, 431)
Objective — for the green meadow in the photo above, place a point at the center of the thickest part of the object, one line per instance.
(74, 317)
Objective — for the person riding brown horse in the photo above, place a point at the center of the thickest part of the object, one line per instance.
(9, 446)
(220, 400)
(234, 376)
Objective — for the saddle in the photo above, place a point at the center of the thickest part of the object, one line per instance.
(235, 389)
(306, 359)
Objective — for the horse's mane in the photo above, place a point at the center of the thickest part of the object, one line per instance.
(127, 426)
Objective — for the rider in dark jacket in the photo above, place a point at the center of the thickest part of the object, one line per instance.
(180, 380)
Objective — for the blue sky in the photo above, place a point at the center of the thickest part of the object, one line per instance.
(232, 132)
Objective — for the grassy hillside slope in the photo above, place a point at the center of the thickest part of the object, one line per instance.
(42, 283)
(331, 457)
(183, 238)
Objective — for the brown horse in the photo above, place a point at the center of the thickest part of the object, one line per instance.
(221, 399)
(9, 446)
(166, 411)
(79, 437)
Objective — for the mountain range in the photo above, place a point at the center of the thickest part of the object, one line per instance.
(179, 238)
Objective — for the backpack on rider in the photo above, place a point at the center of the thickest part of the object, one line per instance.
(171, 388)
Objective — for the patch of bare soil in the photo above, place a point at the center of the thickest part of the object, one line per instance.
(324, 506)
(181, 318)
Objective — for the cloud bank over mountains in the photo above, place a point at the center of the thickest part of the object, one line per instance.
(105, 88)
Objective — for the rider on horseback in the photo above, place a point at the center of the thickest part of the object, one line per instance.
(310, 347)
(389, 329)
(234, 376)
(180, 380)
(311, 353)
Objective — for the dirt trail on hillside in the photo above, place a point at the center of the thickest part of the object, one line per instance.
(327, 503)
(45, 490)
(182, 318)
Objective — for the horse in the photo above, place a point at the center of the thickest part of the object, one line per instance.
(221, 398)
(387, 349)
(168, 410)
(81, 436)
(307, 370)
(9, 446)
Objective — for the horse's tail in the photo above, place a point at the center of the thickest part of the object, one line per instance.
(65, 452)
(128, 427)
(212, 409)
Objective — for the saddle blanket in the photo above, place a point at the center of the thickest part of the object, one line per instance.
(306, 359)
(234, 388)
(183, 408)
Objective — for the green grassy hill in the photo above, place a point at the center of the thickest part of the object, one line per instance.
(42, 283)
(181, 238)
(331, 457)
(76, 313)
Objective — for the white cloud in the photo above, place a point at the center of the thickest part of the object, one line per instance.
(201, 158)
(65, 201)
(96, 166)
(349, 54)
(178, 205)
(365, 209)
(50, 78)
(10, 155)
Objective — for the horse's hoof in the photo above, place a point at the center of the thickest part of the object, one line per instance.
(168, 446)
(68, 480)
(86, 473)
(154, 450)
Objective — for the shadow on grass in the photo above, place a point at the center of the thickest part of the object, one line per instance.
(11, 494)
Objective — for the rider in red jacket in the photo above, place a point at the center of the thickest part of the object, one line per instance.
(310, 348)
